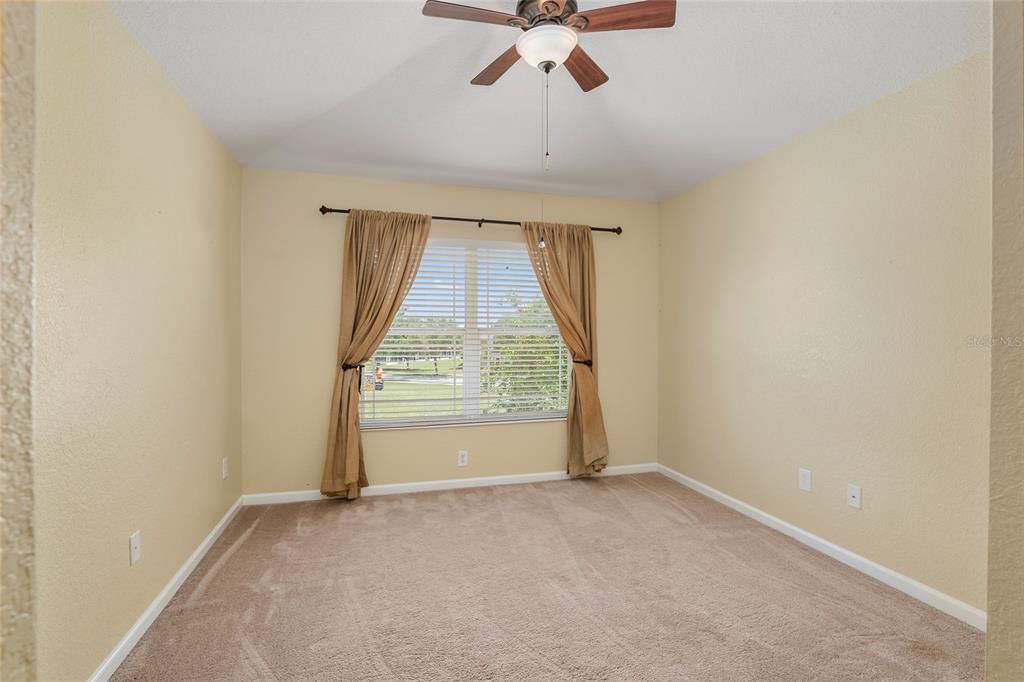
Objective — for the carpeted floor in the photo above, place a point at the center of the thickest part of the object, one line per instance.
(618, 578)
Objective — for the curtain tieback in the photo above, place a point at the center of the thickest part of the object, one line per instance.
(588, 363)
(345, 368)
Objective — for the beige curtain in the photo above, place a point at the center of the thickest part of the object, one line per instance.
(382, 254)
(563, 258)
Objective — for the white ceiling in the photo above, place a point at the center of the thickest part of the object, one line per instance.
(377, 89)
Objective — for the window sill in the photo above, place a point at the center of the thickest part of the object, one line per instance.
(459, 424)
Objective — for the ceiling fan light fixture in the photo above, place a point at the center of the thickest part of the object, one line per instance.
(546, 43)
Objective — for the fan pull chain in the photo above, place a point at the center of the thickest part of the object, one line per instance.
(543, 126)
(547, 122)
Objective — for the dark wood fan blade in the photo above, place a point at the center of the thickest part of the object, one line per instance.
(647, 14)
(497, 68)
(448, 10)
(586, 72)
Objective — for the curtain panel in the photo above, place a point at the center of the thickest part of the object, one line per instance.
(563, 258)
(382, 254)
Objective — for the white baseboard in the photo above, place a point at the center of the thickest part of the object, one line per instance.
(137, 630)
(448, 484)
(929, 595)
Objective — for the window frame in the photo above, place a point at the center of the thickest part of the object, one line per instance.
(472, 336)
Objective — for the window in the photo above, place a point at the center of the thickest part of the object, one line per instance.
(473, 342)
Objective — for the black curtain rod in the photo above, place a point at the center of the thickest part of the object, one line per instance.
(479, 221)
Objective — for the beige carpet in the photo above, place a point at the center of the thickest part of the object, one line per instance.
(619, 578)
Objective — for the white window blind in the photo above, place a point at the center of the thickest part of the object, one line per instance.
(474, 342)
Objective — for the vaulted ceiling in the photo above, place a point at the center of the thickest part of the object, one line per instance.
(375, 88)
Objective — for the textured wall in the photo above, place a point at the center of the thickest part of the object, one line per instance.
(817, 310)
(137, 374)
(1005, 655)
(17, 102)
(291, 286)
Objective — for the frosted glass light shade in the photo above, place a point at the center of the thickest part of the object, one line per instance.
(546, 43)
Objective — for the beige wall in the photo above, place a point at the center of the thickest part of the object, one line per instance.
(137, 358)
(1005, 643)
(816, 306)
(291, 278)
(815, 310)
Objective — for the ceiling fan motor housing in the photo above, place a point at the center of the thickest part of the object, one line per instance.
(537, 12)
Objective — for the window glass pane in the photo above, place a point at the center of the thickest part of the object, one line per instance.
(474, 341)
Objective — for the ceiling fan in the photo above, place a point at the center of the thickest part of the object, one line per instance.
(549, 33)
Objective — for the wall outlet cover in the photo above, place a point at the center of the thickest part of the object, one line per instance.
(134, 547)
(805, 479)
(463, 458)
(853, 496)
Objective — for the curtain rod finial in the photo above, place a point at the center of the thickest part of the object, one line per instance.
(323, 210)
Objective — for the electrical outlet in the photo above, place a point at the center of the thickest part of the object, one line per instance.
(463, 458)
(805, 479)
(853, 497)
(134, 547)
(224, 468)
